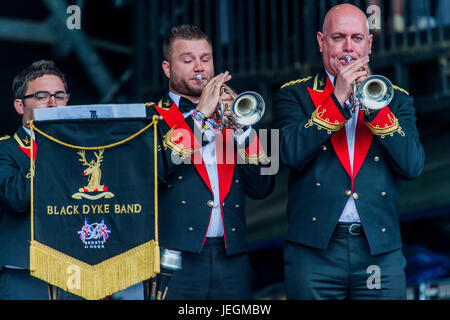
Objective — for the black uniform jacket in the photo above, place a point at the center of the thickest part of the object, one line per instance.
(15, 200)
(185, 194)
(313, 145)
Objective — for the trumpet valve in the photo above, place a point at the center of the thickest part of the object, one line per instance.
(223, 90)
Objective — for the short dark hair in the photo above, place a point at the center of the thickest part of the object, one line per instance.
(36, 70)
(184, 32)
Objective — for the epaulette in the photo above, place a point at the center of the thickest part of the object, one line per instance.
(400, 89)
(295, 82)
(4, 138)
(149, 104)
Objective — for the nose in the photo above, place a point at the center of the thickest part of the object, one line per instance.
(52, 101)
(198, 66)
(348, 45)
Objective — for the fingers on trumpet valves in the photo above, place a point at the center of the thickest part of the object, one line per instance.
(223, 90)
(226, 90)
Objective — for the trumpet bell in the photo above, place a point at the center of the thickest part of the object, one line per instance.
(375, 92)
(248, 108)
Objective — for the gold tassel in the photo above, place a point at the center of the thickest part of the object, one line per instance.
(157, 258)
(94, 282)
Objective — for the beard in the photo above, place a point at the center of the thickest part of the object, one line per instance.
(185, 87)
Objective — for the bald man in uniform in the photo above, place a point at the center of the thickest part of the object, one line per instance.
(343, 239)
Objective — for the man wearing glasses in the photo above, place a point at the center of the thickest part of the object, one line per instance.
(41, 85)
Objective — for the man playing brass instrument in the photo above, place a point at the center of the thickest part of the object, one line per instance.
(202, 197)
(343, 239)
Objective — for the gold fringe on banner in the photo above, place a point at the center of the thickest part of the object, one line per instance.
(94, 282)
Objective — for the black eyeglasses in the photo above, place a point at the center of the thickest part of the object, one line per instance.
(44, 96)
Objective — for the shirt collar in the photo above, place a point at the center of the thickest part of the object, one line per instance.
(28, 131)
(176, 98)
(331, 77)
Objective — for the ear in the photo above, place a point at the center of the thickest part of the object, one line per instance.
(20, 108)
(166, 68)
(370, 43)
(320, 39)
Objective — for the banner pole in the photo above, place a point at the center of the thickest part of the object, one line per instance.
(31, 173)
(31, 176)
(155, 155)
(156, 258)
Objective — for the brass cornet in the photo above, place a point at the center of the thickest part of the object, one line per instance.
(374, 93)
(247, 109)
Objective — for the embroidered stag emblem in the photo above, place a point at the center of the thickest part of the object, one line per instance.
(93, 172)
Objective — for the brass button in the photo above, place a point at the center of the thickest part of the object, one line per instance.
(233, 229)
(348, 193)
(210, 203)
(376, 159)
(236, 206)
(324, 148)
(314, 219)
(237, 180)
(223, 204)
(355, 196)
(318, 184)
(190, 229)
(183, 202)
(180, 178)
(383, 230)
(383, 194)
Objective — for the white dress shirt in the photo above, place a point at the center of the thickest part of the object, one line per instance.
(349, 214)
(27, 130)
(208, 152)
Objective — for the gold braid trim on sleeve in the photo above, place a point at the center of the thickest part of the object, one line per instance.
(388, 128)
(254, 158)
(321, 121)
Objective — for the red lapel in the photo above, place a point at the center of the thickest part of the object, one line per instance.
(27, 151)
(175, 120)
(225, 161)
(339, 138)
(363, 136)
(339, 142)
(319, 96)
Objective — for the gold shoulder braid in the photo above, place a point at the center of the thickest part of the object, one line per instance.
(295, 82)
(4, 138)
(149, 104)
(400, 89)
